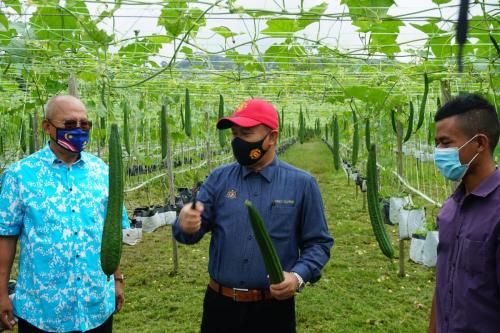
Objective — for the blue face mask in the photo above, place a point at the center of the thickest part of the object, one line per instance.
(448, 162)
(73, 140)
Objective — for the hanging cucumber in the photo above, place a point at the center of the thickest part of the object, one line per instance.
(393, 121)
(282, 119)
(31, 136)
(301, 126)
(368, 137)
(373, 204)
(355, 139)
(271, 259)
(461, 36)
(23, 136)
(111, 247)
(1, 145)
(431, 129)
(126, 137)
(410, 123)
(222, 137)
(181, 112)
(421, 113)
(336, 144)
(187, 115)
(163, 131)
(494, 42)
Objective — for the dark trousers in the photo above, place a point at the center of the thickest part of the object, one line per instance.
(25, 327)
(223, 315)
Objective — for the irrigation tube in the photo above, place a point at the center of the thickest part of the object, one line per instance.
(175, 172)
(405, 183)
(415, 190)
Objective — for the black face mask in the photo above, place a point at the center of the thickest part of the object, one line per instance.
(248, 153)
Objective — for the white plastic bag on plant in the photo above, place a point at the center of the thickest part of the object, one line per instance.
(395, 207)
(412, 220)
(430, 248)
(417, 249)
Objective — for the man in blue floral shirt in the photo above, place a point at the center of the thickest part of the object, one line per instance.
(54, 202)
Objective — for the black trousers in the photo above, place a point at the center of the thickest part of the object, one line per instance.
(25, 327)
(223, 315)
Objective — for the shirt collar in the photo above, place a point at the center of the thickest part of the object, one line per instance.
(482, 190)
(47, 155)
(268, 172)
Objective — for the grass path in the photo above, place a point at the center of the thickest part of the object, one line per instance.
(359, 290)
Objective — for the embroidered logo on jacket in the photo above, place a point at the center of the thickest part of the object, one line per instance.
(231, 194)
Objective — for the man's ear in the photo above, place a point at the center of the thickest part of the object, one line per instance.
(483, 143)
(273, 137)
(46, 126)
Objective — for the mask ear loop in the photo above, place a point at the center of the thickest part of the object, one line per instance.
(475, 136)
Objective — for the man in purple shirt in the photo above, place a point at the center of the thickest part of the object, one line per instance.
(467, 296)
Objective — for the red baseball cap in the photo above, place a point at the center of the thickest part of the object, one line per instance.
(251, 113)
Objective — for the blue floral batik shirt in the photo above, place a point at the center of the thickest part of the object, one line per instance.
(58, 213)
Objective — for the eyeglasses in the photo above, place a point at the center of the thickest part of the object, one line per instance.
(85, 125)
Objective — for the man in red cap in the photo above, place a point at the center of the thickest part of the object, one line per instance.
(239, 296)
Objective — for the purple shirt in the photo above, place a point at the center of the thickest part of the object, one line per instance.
(468, 264)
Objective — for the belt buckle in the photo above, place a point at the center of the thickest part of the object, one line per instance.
(238, 289)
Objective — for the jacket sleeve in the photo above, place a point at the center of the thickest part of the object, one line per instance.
(315, 240)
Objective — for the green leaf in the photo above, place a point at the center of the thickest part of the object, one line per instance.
(365, 13)
(441, 2)
(139, 52)
(257, 13)
(281, 27)
(4, 21)
(224, 32)
(312, 16)
(14, 4)
(177, 18)
(383, 37)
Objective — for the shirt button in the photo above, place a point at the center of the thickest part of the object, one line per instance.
(250, 237)
(449, 291)
(78, 278)
(78, 256)
(245, 261)
(76, 233)
(70, 189)
(73, 210)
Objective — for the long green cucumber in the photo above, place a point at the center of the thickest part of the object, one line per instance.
(368, 135)
(336, 144)
(23, 136)
(187, 114)
(271, 259)
(421, 113)
(111, 247)
(355, 139)
(126, 137)
(410, 123)
(393, 121)
(373, 205)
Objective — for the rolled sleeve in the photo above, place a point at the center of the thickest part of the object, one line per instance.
(315, 240)
(11, 207)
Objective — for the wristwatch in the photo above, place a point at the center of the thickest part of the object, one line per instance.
(301, 282)
(120, 278)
